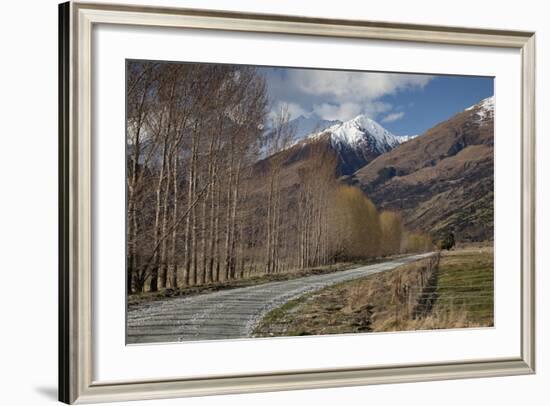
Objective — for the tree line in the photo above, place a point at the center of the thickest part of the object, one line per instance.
(203, 207)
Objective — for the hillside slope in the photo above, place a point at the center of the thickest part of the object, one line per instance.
(442, 181)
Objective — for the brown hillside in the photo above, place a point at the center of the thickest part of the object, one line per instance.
(442, 181)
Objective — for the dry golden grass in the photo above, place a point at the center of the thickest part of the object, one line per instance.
(456, 292)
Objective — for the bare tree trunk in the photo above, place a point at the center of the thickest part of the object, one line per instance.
(228, 222)
(173, 257)
(194, 244)
(212, 232)
(307, 238)
(217, 233)
(240, 250)
(303, 231)
(232, 252)
(163, 268)
(187, 233)
(206, 242)
(276, 229)
(317, 254)
(187, 250)
(269, 224)
(157, 230)
(132, 249)
(203, 240)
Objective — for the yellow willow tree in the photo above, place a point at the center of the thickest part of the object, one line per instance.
(392, 232)
(418, 242)
(355, 224)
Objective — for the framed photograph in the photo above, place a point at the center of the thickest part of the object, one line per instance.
(262, 202)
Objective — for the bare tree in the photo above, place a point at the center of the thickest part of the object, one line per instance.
(203, 208)
(280, 137)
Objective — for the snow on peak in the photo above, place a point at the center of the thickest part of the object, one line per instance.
(488, 103)
(405, 138)
(485, 108)
(485, 104)
(359, 130)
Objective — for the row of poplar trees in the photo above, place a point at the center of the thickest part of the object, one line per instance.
(202, 207)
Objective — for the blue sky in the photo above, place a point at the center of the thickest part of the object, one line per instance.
(405, 104)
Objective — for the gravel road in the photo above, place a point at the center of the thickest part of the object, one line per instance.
(232, 313)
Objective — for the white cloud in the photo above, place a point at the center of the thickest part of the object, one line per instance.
(393, 117)
(344, 95)
(344, 111)
(348, 110)
(340, 94)
(354, 86)
(373, 108)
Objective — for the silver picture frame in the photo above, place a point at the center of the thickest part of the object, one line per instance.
(76, 21)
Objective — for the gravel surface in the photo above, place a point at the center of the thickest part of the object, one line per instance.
(232, 313)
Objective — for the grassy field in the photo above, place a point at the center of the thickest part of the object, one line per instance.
(465, 288)
(454, 290)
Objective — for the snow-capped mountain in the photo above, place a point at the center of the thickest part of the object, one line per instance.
(485, 109)
(360, 132)
(356, 142)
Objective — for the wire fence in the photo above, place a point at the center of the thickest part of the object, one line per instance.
(468, 297)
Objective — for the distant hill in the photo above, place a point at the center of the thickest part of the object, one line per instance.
(441, 181)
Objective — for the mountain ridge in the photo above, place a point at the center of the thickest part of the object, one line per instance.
(442, 181)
